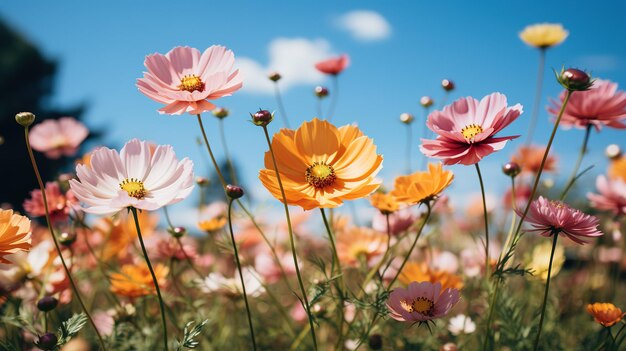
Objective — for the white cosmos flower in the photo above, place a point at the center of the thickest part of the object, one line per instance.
(140, 176)
(461, 324)
(216, 282)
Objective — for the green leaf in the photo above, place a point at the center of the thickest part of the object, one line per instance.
(189, 335)
(71, 327)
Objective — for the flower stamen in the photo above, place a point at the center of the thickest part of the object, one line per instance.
(420, 305)
(134, 187)
(470, 131)
(320, 175)
(191, 83)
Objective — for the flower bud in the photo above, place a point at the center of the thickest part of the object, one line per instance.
(321, 92)
(512, 169)
(613, 151)
(67, 238)
(177, 232)
(47, 342)
(233, 191)
(574, 79)
(220, 112)
(448, 347)
(447, 85)
(262, 118)
(202, 181)
(25, 119)
(274, 76)
(406, 118)
(318, 310)
(427, 101)
(47, 303)
(1, 140)
(376, 342)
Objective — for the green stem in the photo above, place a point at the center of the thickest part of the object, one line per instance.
(56, 242)
(341, 287)
(545, 295)
(243, 285)
(583, 150)
(154, 279)
(494, 300)
(419, 233)
(231, 169)
(486, 219)
(281, 107)
(533, 119)
(208, 147)
(291, 240)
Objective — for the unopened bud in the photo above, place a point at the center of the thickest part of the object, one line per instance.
(321, 92)
(426, 101)
(25, 119)
(449, 347)
(178, 232)
(274, 76)
(406, 118)
(202, 181)
(262, 118)
(234, 191)
(613, 151)
(47, 342)
(47, 303)
(574, 79)
(512, 169)
(67, 238)
(376, 342)
(220, 112)
(447, 85)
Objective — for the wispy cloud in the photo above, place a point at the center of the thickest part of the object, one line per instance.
(365, 25)
(598, 63)
(293, 58)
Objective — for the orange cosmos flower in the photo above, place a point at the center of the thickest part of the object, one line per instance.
(420, 272)
(359, 243)
(119, 233)
(530, 156)
(385, 203)
(14, 234)
(617, 168)
(321, 165)
(135, 280)
(605, 313)
(422, 186)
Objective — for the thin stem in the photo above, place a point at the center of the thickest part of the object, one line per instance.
(56, 242)
(533, 119)
(334, 98)
(291, 240)
(419, 233)
(231, 169)
(486, 218)
(281, 107)
(545, 296)
(331, 237)
(583, 150)
(154, 279)
(494, 300)
(208, 146)
(425, 136)
(243, 285)
(409, 134)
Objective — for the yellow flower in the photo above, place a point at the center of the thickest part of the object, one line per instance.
(321, 165)
(617, 168)
(420, 272)
(213, 224)
(136, 281)
(422, 186)
(540, 260)
(605, 313)
(543, 35)
(14, 234)
(385, 203)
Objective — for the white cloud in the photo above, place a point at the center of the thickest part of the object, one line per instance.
(365, 25)
(293, 58)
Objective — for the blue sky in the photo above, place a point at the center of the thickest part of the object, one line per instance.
(101, 47)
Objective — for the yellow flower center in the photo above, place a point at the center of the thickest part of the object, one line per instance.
(134, 187)
(470, 131)
(191, 83)
(320, 175)
(420, 305)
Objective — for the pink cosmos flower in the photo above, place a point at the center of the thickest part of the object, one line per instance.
(133, 177)
(58, 138)
(334, 65)
(612, 195)
(399, 221)
(466, 129)
(59, 204)
(602, 105)
(421, 302)
(554, 217)
(184, 79)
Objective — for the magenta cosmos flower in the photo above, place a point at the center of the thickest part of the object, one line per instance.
(421, 302)
(601, 105)
(612, 195)
(58, 138)
(334, 65)
(134, 177)
(184, 79)
(466, 128)
(555, 217)
(59, 203)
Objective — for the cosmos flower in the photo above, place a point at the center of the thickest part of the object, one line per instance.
(421, 302)
(539, 261)
(58, 138)
(321, 165)
(529, 157)
(612, 195)
(461, 324)
(134, 177)
(385, 203)
(334, 65)
(466, 129)
(420, 272)
(399, 221)
(185, 79)
(543, 35)
(135, 280)
(117, 234)
(216, 282)
(355, 244)
(601, 105)
(617, 168)
(14, 234)
(606, 313)
(554, 217)
(59, 204)
(422, 186)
